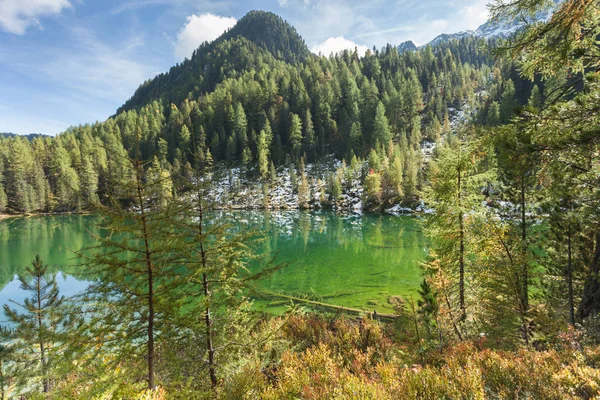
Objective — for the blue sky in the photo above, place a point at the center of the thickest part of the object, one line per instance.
(68, 62)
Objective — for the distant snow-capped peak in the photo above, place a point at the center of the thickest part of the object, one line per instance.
(496, 29)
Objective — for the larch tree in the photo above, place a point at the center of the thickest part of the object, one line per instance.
(213, 287)
(131, 299)
(456, 177)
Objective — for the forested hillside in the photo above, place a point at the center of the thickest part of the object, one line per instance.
(256, 98)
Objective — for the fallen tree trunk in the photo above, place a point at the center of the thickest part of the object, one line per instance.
(318, 304)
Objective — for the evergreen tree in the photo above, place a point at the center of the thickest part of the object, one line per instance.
(410, 179)
(3, 199)
(535, 99)
(493, 118)
(509, 103)
(36, 327)
(296, 135)
(381, 128)
(185, 138)
(6, 355)
(263, 154)
(309, 138)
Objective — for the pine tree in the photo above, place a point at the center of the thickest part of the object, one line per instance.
(7, 350)
(36, 327)
(535, 99)
(374, 161)
(3, 199)
(493, 117)
(263, 154)
(509, 103)
(381, 128)
(296, 135)
(355, 138)
(518, 166)
(335, 188)
(394, 175)
(185, 138)
(428, 306)
(410, 178)
(89, 182)
(309, 138)
(160, 180)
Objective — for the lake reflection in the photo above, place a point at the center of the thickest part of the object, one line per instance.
(356, 261)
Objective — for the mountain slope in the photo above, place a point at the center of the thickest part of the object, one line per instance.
(445, 37)
(258, 40)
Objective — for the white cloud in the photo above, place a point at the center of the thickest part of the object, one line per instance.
(336, 45)
(322, 19)
(17, 15)
(475, 14)
(439, 24)
(199, 29)
(287, 3)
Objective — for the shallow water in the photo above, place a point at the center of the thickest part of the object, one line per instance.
(354, 261)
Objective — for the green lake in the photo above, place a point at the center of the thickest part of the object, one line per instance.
(353, 261)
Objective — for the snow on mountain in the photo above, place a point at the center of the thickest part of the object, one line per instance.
(505, 29)
(495, 29)
(444, 37)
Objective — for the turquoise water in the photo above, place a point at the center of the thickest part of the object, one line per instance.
(354, 261)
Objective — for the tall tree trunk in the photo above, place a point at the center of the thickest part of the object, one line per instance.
(525, 268)
(2, 389)
(415, 320)
(461, 260)
(40, 322)
(209, 341)
(570, 276)
(206, 289)
(590, 301)
(150, 275)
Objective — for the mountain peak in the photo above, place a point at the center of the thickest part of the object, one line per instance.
(407, 46)
(258, 38)
(272, 33)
